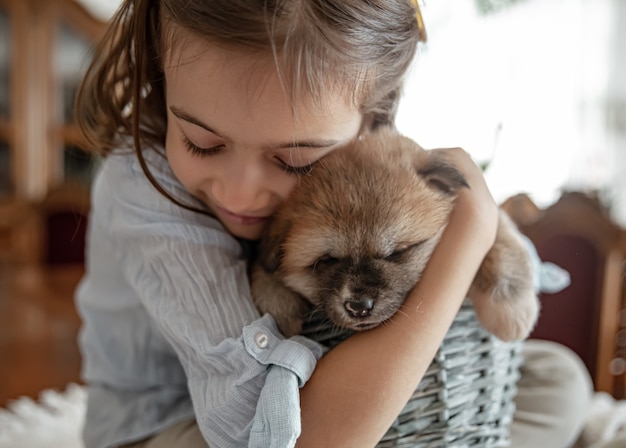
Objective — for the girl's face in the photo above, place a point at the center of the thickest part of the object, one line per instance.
(235, 141)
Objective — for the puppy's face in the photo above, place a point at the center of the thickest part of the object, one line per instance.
(355, 236)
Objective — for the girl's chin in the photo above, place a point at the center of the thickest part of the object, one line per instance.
(246, 232)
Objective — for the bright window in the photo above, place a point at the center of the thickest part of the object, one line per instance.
(527, 87)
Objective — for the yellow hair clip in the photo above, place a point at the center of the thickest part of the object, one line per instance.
(420, 21)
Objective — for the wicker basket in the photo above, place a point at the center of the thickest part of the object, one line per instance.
(465, 399)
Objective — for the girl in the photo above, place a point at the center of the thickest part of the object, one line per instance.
(207, 112)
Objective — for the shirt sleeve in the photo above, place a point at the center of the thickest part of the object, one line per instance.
(191, 277)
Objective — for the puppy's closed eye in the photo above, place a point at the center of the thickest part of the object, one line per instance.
(325, 261)
(400, 253)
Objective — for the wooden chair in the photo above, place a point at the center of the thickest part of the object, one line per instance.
(618, 364)
(521, 209)
(578, 234)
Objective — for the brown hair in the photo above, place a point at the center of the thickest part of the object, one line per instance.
(361, 47)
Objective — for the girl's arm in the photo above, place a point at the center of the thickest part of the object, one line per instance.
(192, 283)
(360, 387)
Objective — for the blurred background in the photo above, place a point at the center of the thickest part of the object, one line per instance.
(44, 189)
(535, 90)
(535, 87)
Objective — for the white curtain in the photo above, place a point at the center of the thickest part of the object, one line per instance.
(537, 89)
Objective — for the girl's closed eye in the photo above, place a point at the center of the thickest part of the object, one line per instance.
(302, 170)
(199, 151)
(303, 159)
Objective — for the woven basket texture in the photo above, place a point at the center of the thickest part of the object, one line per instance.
(465, 399)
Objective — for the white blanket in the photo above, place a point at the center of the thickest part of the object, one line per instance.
(52, 422)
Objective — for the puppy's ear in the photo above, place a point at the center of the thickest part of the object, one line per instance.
(442, 176)
(271, 245)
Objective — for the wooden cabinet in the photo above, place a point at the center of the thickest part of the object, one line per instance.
(6, 175)
(44, 50)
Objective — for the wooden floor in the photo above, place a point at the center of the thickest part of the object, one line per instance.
(38, 330)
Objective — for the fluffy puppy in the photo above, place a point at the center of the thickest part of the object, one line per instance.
(355, 236)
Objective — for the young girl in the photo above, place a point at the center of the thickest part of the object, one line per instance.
(207, 112)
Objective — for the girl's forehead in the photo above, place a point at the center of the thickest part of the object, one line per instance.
(196, 67)
(244, 97)
(253, 68)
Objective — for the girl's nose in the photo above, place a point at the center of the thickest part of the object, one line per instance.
(242, 190)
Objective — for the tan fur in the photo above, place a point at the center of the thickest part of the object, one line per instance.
(356, 234)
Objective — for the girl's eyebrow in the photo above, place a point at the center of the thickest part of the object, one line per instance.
(314, 144)
(188, 118)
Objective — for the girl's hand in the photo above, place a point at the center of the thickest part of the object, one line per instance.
(475, 211)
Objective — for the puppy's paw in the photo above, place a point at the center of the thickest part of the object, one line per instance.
(503, 291)
(507, 318)
(271, 296)
(288, 325)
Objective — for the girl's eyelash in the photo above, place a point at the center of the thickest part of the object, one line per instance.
(299, 170)
(201, 152)
(205, 152)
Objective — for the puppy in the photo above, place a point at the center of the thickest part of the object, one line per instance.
(354, 238)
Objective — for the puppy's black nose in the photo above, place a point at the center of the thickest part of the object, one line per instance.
(359, 308)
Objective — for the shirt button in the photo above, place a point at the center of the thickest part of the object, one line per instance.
(261, 340)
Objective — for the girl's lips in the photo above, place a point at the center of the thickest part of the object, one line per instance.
(241, 219)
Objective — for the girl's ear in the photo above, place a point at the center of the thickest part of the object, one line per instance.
(442, 176)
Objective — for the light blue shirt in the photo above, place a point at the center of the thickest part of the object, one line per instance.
(169, 328)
